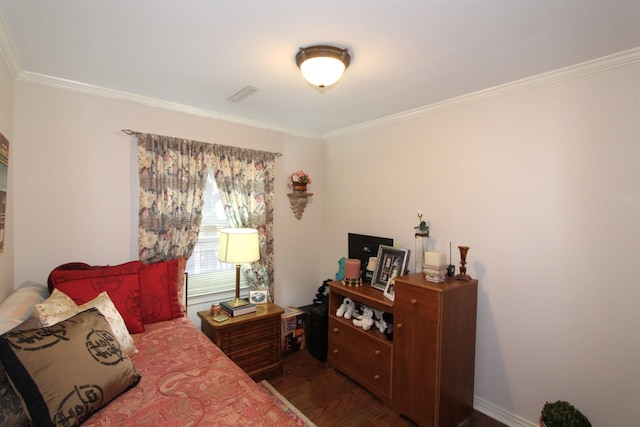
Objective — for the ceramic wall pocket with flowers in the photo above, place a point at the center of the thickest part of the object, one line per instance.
(298, 182)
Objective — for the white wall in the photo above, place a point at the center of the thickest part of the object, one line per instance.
(6, 128)
(76, 184)
(543, 185)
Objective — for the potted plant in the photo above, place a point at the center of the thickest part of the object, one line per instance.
(562, 414)
(299, 181)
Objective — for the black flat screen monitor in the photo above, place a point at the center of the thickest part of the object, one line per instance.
(362, 247)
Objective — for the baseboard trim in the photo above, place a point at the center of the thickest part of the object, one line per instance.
(501, 415)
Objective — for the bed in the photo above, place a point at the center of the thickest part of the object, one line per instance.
(172, 376)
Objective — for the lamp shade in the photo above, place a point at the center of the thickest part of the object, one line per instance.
(238, 245)
(373, 262)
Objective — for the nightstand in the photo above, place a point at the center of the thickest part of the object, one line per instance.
(252, 341)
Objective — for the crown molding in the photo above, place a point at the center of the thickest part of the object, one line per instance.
(11, 58)
(590, 67)
(8, 52)
(75, 86)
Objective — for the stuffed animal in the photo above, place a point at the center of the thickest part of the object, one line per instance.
(322, 295)
(346, 308)
(364, 320)
(341, 265)
(378, 321)
(388, 318)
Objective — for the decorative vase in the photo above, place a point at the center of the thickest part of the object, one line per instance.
(421, 246)
(463, 263)
(299, 187)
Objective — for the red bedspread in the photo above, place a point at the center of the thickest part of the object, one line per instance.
(188, 381)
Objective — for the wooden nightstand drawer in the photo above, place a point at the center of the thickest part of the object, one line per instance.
(251, 358)
(250, 335)
(252, 341)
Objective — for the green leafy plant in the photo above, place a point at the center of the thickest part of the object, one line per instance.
(563, 414)
(423, 227)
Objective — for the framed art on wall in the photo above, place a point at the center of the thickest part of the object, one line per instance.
(391, 263)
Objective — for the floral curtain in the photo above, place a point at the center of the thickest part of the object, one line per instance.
(245, 180)
(172, 175)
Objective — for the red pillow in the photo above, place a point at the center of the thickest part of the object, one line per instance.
(67, 266)
(120, 282)
(159, 291)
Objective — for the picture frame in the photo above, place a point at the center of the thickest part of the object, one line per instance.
(258, 297)
(392, 262)
(390, 290)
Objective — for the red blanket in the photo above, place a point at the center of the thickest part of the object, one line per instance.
(188, 381)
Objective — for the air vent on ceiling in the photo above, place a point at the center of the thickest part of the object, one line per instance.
(243, 93)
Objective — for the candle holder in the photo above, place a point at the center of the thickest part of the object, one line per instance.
(351, 282)
(463, 262)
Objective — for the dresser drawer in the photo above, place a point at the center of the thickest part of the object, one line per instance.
(367, 350)
(363, 358)
(376, 380)
(416, 301)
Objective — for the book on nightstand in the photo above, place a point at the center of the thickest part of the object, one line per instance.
(232, 311)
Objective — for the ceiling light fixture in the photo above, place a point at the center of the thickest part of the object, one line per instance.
(322, 65)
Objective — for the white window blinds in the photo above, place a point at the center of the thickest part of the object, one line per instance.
(209, 278)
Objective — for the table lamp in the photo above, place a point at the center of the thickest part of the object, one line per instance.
(238, 246)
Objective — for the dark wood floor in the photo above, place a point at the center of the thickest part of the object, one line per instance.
(329, 398)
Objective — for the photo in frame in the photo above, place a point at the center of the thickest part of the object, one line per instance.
(390, 290)
(392, 262)
(258, 297)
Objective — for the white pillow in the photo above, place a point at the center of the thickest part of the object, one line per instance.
(58, 308)
(19, 304)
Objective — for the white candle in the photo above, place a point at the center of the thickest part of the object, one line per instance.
(435, 258)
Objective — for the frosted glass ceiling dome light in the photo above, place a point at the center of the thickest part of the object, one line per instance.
(322, 65)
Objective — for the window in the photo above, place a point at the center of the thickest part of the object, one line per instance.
(210, 279)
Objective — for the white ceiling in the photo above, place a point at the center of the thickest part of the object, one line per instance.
(405, 54)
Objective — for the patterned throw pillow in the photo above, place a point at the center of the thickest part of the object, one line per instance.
(66, 372)
(11, 412)
(57, 302)
(60, 307)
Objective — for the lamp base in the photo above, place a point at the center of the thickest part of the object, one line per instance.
(237, 302)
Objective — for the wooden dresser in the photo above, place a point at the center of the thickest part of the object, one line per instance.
(252, 340)
(426, 373)
(364, 356)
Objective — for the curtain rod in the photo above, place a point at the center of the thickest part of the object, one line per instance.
(133, 132)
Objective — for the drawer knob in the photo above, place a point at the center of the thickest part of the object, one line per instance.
(335, 351)
(377, 352)
(414, 301)
(376, 377)
(335, 330)
(399, 325)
